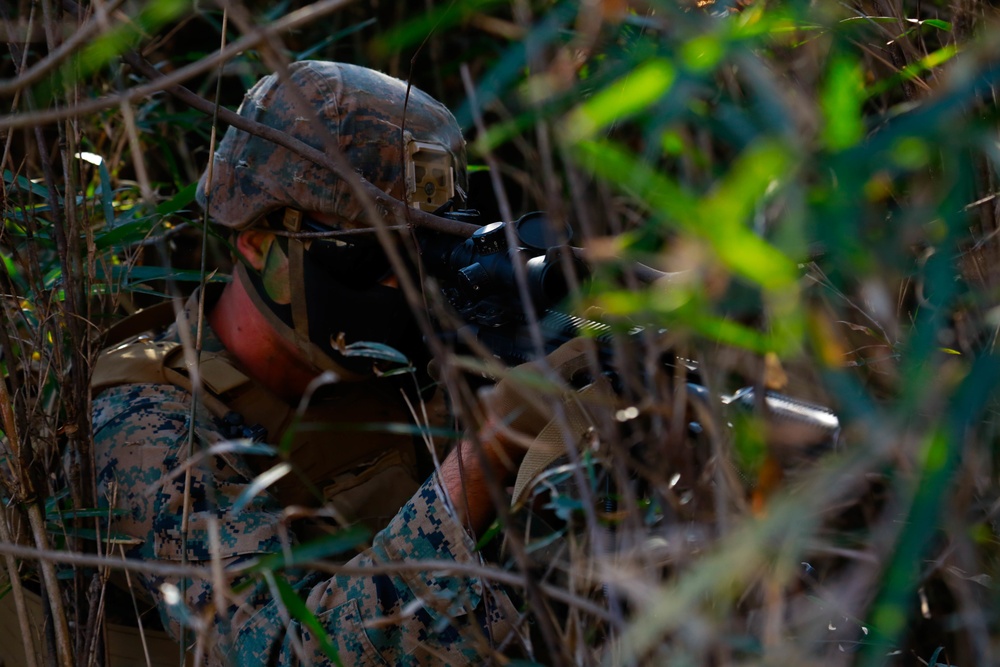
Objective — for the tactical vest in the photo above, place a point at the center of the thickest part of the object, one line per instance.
(353, 449)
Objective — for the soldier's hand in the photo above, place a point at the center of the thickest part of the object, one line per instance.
(524, 400)
(544, 409)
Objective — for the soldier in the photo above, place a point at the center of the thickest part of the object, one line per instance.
(294, 307)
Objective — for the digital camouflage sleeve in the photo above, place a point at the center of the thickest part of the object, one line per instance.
(407, 618)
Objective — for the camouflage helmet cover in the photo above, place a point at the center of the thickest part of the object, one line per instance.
(359, 109)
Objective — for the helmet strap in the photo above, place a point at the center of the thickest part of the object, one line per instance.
(292, 221)
(297, 280)
(319, 306)
(310, 352)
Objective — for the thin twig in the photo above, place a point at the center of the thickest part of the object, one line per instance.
(442, 567)
(80, 37)
(296, 19)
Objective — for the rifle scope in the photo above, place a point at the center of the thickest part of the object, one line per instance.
(479, 276)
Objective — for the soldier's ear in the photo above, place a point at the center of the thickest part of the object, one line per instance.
(265, 255)
(254, 245)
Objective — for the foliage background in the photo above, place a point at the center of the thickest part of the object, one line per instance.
(822, 176)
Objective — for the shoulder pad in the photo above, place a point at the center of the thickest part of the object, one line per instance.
(136, 362)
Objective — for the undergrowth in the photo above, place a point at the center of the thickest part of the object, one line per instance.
(817, 180)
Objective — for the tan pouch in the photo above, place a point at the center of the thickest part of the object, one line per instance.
(372, 494)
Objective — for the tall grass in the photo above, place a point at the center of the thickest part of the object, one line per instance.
(820, 179)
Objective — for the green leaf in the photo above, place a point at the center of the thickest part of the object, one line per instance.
(107, 192)
(179, 201)
(735, 198)
(625, 97)
(243, 447)
(841, 101)
(938, 23)
(915, 69)
(936, 58)
(749, 445)
(125, 233)
(511, 64)
(335, 37)
(10, 267)
(728, 332)
(24, 184)
(501, 132)
(343, 541)
(721, 218)
(726, 211)
(298, 610)
(543, 541)
(487, 535)
(703, 53)
(258, 484)
(373, 350)
(685, 314)
(911, 153)
(125, 35)
(441, 18)
(97, 512)
(564, 506)
(108, 537)
(618, 166)
(139, 274)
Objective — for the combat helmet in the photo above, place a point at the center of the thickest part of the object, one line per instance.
(395, 136)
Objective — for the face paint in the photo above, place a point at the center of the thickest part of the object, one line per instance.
(274, 275)
(337, 298)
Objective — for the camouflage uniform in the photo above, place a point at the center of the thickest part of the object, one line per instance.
(141, 441)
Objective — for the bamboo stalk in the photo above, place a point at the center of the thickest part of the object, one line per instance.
(30, 651)
(135, 607)
(48, 569)
(10, 428)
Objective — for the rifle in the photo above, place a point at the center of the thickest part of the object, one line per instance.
(478, 277)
